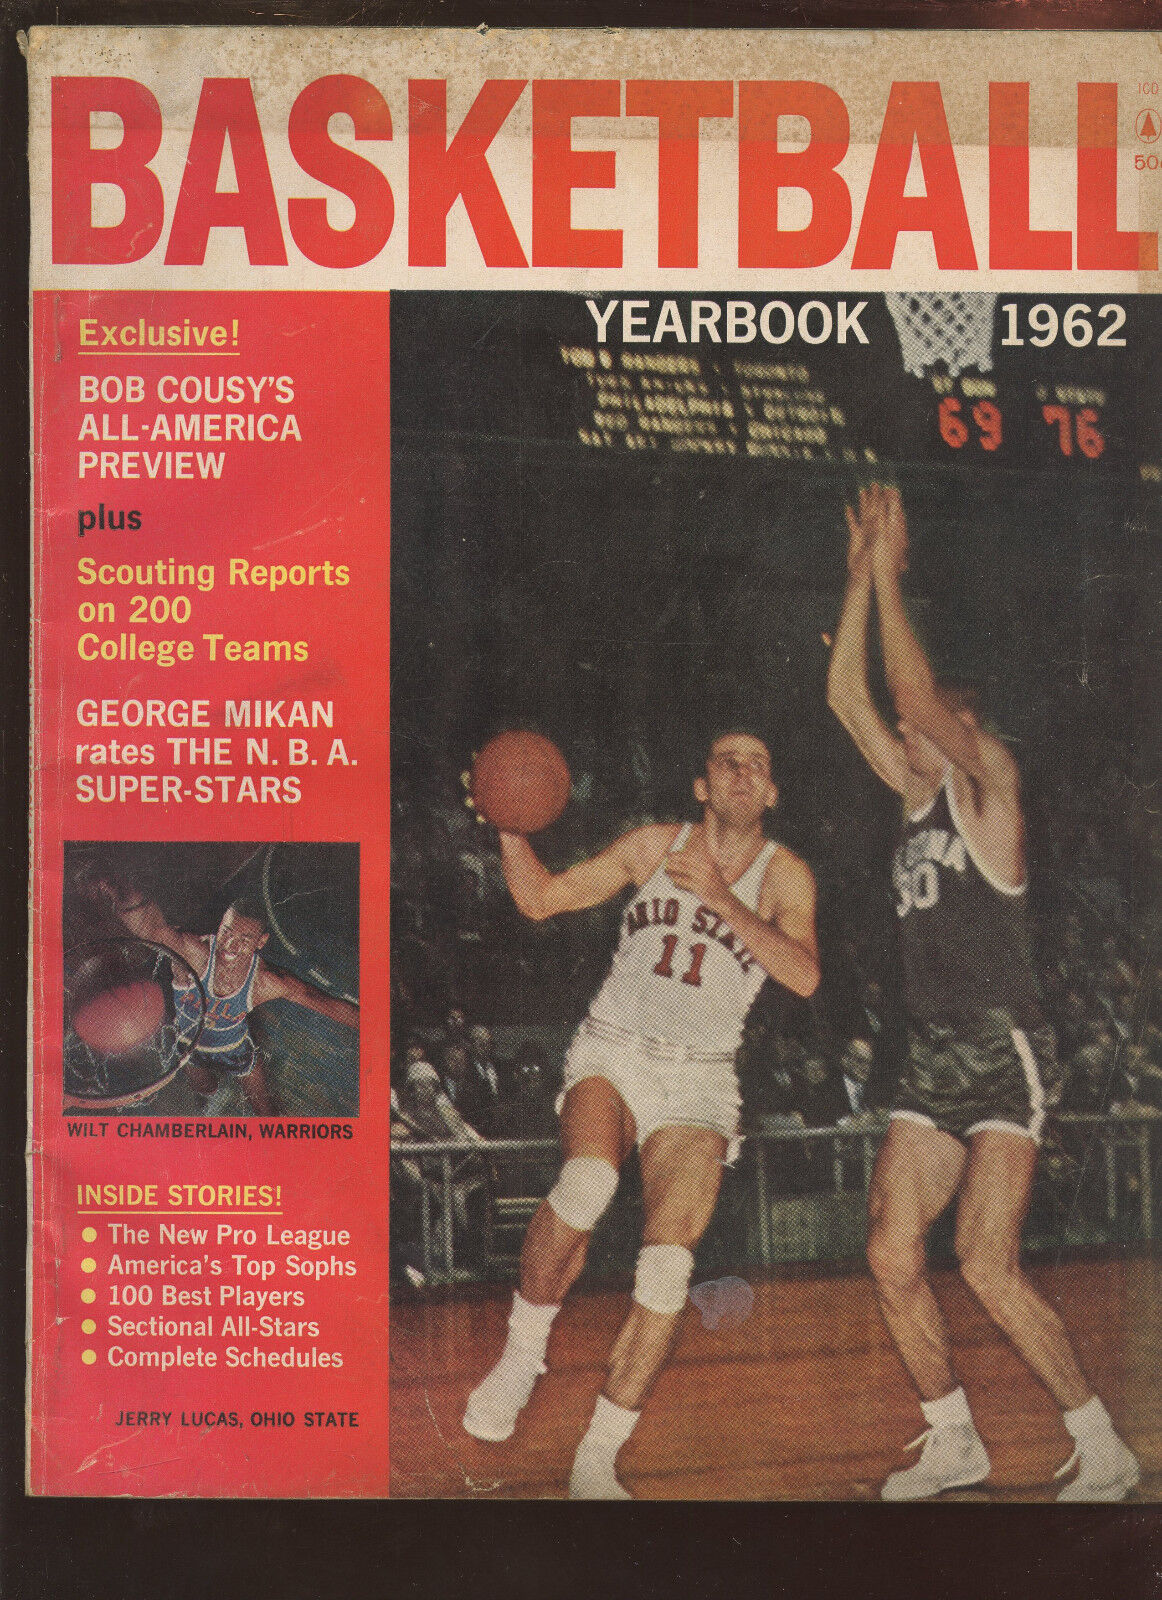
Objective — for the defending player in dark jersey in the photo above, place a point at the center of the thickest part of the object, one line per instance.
(981, 1071)
(718, 907)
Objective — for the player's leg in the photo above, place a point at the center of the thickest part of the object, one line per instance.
(256, 1088)
(916, 1174)
(993, 1203)
(201, 1079)
(681, 1175)
(597, 1133)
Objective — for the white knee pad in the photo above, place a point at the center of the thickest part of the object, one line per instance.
(584, 1187)
(663, 1277)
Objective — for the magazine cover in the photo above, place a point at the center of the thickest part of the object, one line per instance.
(595, 828)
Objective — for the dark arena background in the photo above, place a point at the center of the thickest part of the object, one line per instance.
(625, 546)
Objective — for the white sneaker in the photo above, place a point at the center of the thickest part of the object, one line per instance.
(953, 1456)
(591, 1480)
(500, 1397)
(1108, 1469)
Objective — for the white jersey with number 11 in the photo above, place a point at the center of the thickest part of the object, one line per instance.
(680, 973)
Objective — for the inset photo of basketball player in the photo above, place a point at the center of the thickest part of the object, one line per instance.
(211, 979)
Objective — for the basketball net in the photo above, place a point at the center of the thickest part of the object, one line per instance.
(95, 1080)
(954, 328)
(120, 1080)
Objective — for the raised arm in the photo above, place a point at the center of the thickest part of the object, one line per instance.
(910, 679)
(271, 984)
(144, 920)
(848, 693)
(540, 893)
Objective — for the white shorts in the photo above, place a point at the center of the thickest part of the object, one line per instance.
(663, 1084)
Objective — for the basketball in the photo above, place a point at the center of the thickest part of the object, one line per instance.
(520, 782)
(119, 1019)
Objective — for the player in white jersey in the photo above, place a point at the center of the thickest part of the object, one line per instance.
(718, 909)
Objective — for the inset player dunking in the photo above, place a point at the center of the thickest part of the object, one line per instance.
(235, 980)
(981, 1073)
(718, 907)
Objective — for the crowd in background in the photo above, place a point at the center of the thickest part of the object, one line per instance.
(450, 1076)
(465, 963)
(460, 946)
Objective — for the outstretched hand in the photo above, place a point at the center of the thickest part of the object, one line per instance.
(103, 892)
(877, 527)
(891, 537)
(858, 542)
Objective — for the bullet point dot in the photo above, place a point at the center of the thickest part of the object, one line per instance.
(88, 1265)
(88, 1296)
(88, 1234)
(88, 1357)
(88, 1326)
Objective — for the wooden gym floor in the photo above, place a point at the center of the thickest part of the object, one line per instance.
(805, 1400)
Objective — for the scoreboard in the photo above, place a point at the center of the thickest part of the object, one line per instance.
(644, 401)
(1070, 388)
(652, 530)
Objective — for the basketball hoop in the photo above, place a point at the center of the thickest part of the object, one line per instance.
(119, 1080)
(310, 893)
(954, 328)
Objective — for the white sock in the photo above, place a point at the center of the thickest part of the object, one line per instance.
(1088, 1419)
(609, 1428)
(950, 1411)
(593, 1477)
(529, 1325)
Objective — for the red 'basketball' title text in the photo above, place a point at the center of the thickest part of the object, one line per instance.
(447, 163)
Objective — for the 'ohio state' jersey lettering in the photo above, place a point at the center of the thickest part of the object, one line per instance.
(651, 914)
(680, 971)
(707, 921)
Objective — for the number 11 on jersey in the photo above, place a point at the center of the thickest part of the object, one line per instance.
(665, 967)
